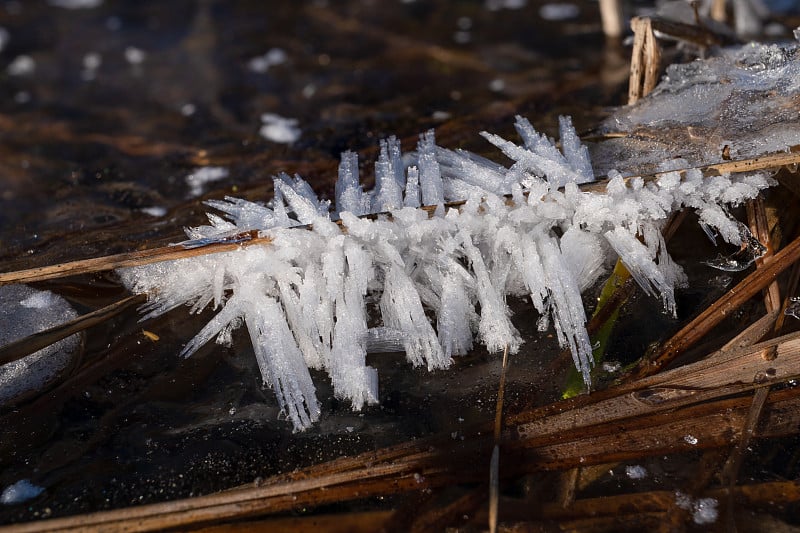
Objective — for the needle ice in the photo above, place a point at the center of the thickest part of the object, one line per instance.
(441, 281)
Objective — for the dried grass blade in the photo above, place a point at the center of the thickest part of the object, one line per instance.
(494, 464)
(28, 345)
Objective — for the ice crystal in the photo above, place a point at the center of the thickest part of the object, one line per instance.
(441, 276)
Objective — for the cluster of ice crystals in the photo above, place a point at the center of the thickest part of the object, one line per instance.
(743, 102)
(440, 279)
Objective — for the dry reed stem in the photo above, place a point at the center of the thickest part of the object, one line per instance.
(752, 333)
(716, 312)
(791, 289)
(128, 259)
(757, 218)
(718, 12)
(711, 423)
(439, 519)
(645, 60)
(354, 522)
(611, 18)
(143, 257)
(515, 510)
(735, 371)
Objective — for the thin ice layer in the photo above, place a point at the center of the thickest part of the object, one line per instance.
(742, 103)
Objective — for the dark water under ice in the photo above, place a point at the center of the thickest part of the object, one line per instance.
(86, 153)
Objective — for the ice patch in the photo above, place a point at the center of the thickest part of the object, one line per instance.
(279, 129)
(91, 62)
(135, 56)
(76, 4)
(22, 65)
(154, 211)
(261, 64)
(744, 98)
(496, 5)
(188, 109)
(636, 472)
(704, 510)
(42, 300)
(559, 11)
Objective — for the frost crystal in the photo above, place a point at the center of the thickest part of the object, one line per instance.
(440, 280)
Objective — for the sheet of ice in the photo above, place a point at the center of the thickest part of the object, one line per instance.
(25, 311)
(19, 492)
